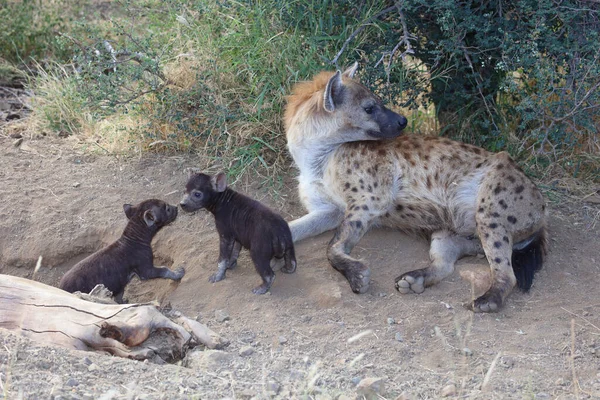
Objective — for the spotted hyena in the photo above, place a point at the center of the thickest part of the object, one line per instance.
(357, 171)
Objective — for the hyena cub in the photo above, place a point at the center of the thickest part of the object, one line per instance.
(115, 265)
(241, 221)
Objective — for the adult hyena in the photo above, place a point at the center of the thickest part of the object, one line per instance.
(357, 171)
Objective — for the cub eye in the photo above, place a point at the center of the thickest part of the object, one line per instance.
(197, 195)
(369, 109)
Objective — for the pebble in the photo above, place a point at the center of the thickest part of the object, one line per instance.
(93, 367)
(282, 340)
(221, 315)
(448, 390)
(343, 397)
(391, 321)
(467, 352)
(72, 382)
(76, 184)
(18, 142)
(371, 388)
(246, 351)
(399, 337)
(355, 380)
(273, 387)
(542, 395)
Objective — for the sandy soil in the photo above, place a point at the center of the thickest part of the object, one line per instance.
(63, 203)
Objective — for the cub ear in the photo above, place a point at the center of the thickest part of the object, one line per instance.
(332, 92)
(219, 182)
(351, 70)
(129, 210)
(149, 218)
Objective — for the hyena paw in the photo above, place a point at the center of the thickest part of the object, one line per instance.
(289, 269)
(491, 301)
(216, 277)
(359, 277)
(411, 282)
(232, 265)
(277, 263)
(179, 273)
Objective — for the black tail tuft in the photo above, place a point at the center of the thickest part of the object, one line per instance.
(529, 259)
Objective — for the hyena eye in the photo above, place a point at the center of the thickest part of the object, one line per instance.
(197, 195)
(369, 109)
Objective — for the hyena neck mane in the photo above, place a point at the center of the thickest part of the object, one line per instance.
(313, 134)
(138, 232)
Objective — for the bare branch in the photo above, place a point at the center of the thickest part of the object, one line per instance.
(359, 30)
(479, 83)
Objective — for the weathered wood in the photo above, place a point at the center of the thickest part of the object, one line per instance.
(139, 331)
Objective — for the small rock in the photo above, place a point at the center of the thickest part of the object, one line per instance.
(246, 351)
(343, 397)
(448, 390)
(221, 315)
(247, 337)
(71, 382)
(18, 142)
(391, 321)
(467, 352)
(355, 380)
(86, 361)
(371, 388)
(272, 387)
(210, 359)
(76, 184)
(542, 395)
(507, 362)
(382, 294)
(399, 337)
(282, 340)
(93, 367)
(323, 396)
(16, 135)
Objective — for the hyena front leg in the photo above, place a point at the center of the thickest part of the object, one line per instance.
(348, 234)
(446, 248)
(315, 222)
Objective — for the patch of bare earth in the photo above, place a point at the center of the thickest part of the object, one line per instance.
(62, 204)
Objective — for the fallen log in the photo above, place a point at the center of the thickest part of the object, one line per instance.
(138, 331)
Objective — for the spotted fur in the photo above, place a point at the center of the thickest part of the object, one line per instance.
(357, 171)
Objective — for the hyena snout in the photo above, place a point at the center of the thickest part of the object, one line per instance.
(390, 124)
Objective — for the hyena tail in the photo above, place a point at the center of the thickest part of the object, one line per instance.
(528, 257)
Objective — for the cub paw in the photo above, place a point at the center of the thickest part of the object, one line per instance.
(411, 282)
(214, 278)
(289, 270)
(179, 273)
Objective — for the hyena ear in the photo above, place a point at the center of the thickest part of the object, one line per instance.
(332, 90)
(219, 182)
(351, 70)
(149, 218)
(128, 209)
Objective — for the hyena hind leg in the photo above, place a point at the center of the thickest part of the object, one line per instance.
(446, 248)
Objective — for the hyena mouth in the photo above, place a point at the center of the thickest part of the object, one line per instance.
(384, 135)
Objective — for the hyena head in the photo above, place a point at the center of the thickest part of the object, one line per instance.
(334, 108)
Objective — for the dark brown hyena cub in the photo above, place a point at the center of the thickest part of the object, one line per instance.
(115, 265)
(241, 221)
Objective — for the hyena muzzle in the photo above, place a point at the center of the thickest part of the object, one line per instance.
(357, 171)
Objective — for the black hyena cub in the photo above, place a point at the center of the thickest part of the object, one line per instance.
(241, 221)
(115, 265)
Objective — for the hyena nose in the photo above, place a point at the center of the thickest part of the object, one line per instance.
(402, 122)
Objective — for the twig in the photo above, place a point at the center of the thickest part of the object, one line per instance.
(359, 30)
(488, 375)
(574, 374)
(579, 316)
(112, 53)
(479, 83)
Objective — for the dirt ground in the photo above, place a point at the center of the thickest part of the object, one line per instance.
(62, 203)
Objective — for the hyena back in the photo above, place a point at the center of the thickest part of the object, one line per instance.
(357, 171)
